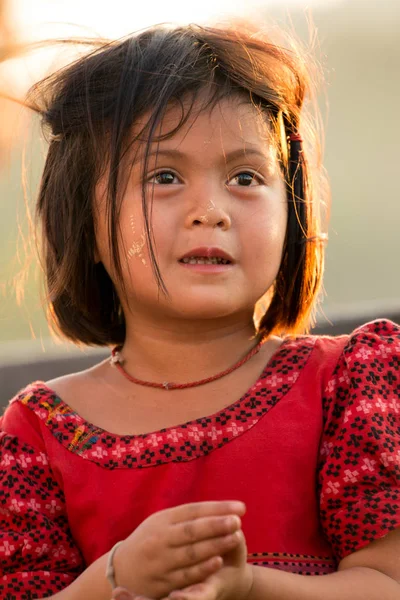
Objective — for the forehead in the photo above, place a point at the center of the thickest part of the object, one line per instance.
(231, 122)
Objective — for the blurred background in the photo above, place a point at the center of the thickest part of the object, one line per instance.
(359, 47)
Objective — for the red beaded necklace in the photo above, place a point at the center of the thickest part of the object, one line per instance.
(116, 361)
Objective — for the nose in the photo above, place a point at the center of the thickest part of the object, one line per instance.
(210, 215)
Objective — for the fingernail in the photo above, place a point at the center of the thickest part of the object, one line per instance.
(235, 520)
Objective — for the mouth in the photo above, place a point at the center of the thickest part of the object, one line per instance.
(204, 260)
(206, 256)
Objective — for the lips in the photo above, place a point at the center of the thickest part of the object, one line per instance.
(206, 252)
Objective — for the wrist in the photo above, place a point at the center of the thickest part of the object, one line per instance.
(118, 566)
(251, 576)
(110, 568)
(246, 587)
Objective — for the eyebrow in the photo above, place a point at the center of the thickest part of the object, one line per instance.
(230, 156)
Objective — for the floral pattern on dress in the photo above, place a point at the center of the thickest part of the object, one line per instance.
(359, 470)
(358, 474)
(181, 443)
(34, 530)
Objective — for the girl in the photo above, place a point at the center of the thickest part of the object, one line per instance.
(213, 456)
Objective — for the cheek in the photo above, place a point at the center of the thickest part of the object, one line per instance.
(166, 227)
(265, 235)
(132, 244)
(135, 242)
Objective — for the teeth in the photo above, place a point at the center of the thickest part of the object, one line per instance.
(203, 260)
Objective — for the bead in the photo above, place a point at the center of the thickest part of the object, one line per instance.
(168, 385)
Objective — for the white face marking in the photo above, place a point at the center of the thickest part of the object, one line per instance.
(210, 207)
(136, 248)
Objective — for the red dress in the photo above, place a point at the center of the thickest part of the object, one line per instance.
(313, 449)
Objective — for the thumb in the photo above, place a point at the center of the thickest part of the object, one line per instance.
(238, 555)
(208, 590)
(123, 594)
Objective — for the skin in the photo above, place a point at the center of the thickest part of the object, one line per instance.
(206, 317)
(205, 205)
(178, 547)
(171, 549)
(371, 573)
(209, 319)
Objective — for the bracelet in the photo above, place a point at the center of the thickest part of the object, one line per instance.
(110, 571)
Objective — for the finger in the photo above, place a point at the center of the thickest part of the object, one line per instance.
(182, 578)
(193, 554)
(204, 528)
(196, 510)
(199, 591)
(241, 549)
(120, 593)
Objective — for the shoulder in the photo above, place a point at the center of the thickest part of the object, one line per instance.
(22, 416)
(75, 388)
(361, 401)
(40, 402)
(41, 409)
(35, 404)
(374, 339)
(375, 335)
(359, 462)
(329, 359)
(339, 357)
(368, 355)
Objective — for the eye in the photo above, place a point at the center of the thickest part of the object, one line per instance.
(163, 178)
(246, 179)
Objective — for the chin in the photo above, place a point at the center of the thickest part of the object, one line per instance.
(212, 308)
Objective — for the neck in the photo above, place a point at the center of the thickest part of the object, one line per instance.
(184, 352)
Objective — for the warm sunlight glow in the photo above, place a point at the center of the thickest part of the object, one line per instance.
(49, 19)
(119, 17)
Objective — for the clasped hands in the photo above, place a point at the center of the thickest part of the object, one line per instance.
(190, 552)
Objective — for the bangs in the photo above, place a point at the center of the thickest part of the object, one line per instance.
(169, 72)
(92, 109)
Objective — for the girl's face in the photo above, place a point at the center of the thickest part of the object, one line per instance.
(218, 217)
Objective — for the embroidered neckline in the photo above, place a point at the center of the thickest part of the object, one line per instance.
(180, 443)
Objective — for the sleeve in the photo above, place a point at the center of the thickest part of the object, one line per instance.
(359, 464)
(38, 556)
